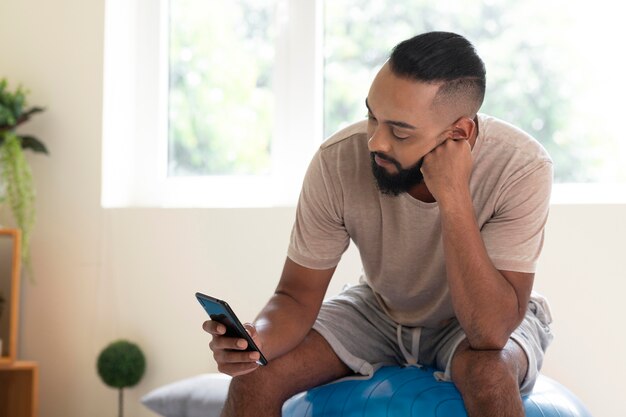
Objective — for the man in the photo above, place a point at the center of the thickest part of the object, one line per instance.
(447, 208)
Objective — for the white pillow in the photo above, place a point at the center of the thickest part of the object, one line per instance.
(199, 396)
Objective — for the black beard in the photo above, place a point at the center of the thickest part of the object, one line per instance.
(400, 182)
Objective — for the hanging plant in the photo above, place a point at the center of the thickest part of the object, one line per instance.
(16, 180)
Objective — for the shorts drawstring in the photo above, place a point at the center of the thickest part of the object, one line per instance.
(412, 357)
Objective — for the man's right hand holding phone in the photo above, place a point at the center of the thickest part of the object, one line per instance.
(229, 352)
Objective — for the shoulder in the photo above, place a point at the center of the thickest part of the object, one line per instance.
(510, 164)
(343, 160)
(355, 133)
(510, 142)
(509, 153)
(345, 151)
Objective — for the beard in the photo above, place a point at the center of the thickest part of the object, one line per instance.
(400, 182)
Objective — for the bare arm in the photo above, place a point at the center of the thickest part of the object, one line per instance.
(488, 303)
(280, 326)
(290, 313)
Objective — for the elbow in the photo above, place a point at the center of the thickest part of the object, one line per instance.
(487, 343)
(493, 334)
(496, 339)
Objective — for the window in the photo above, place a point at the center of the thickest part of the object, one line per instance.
(221, 97)
(245, 90)
(190, 107)
(550, 69)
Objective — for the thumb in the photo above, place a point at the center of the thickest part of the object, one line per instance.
(250, 329)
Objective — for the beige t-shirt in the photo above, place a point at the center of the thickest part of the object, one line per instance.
(399, 238)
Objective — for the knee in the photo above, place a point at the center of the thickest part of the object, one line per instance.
(486, 372)
(259, 386)
(250, 393)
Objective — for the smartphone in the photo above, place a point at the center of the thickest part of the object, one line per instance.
(221, 312)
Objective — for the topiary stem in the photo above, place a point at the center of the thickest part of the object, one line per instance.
(120, 403)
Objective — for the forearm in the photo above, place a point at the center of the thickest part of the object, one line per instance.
(290, 313)
(283, 324)
(485, 303)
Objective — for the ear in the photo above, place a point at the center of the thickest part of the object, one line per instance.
(463, 129)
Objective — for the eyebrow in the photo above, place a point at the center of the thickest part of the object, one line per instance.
(396, 123)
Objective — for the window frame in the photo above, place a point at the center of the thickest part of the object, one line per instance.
(135, 114)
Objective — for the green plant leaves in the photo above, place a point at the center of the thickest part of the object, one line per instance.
(11, 104)
(34, 144)
(17, 179)
(13, 114)
(121, 364)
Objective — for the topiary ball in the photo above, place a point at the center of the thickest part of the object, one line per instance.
(121, 364)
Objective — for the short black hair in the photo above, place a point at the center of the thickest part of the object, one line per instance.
(442, 57)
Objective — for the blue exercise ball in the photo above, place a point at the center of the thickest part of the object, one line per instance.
(414, 392)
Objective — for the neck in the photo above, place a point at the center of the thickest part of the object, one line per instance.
(420, 192)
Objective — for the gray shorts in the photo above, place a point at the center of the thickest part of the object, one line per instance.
(365, 338)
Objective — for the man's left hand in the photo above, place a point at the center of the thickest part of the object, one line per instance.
(447, 169)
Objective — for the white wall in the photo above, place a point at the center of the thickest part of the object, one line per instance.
(131, 273)
(582, 271)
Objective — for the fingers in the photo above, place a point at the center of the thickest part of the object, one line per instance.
(250, 329)
(450, 148)
(230, 343)
(451, 142)
(230, 352)
(231, 360)
(252, 332)
(235, 357)
(214, 328)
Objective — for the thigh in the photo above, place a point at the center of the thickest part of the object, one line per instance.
(532, 338)
(471, 366)
(310, 364)
(358, 331)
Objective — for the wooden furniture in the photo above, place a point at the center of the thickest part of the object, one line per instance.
(19, 380)
(10, 240)
(19, 383)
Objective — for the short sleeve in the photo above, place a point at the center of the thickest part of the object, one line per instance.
(319, 236)
(514, 235)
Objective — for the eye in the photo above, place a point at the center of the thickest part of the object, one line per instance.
(399, 136)
(370, 116)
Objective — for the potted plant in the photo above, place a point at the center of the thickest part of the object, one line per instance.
(16, 183)
(121, 364)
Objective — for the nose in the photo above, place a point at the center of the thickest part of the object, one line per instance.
(378, 140)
